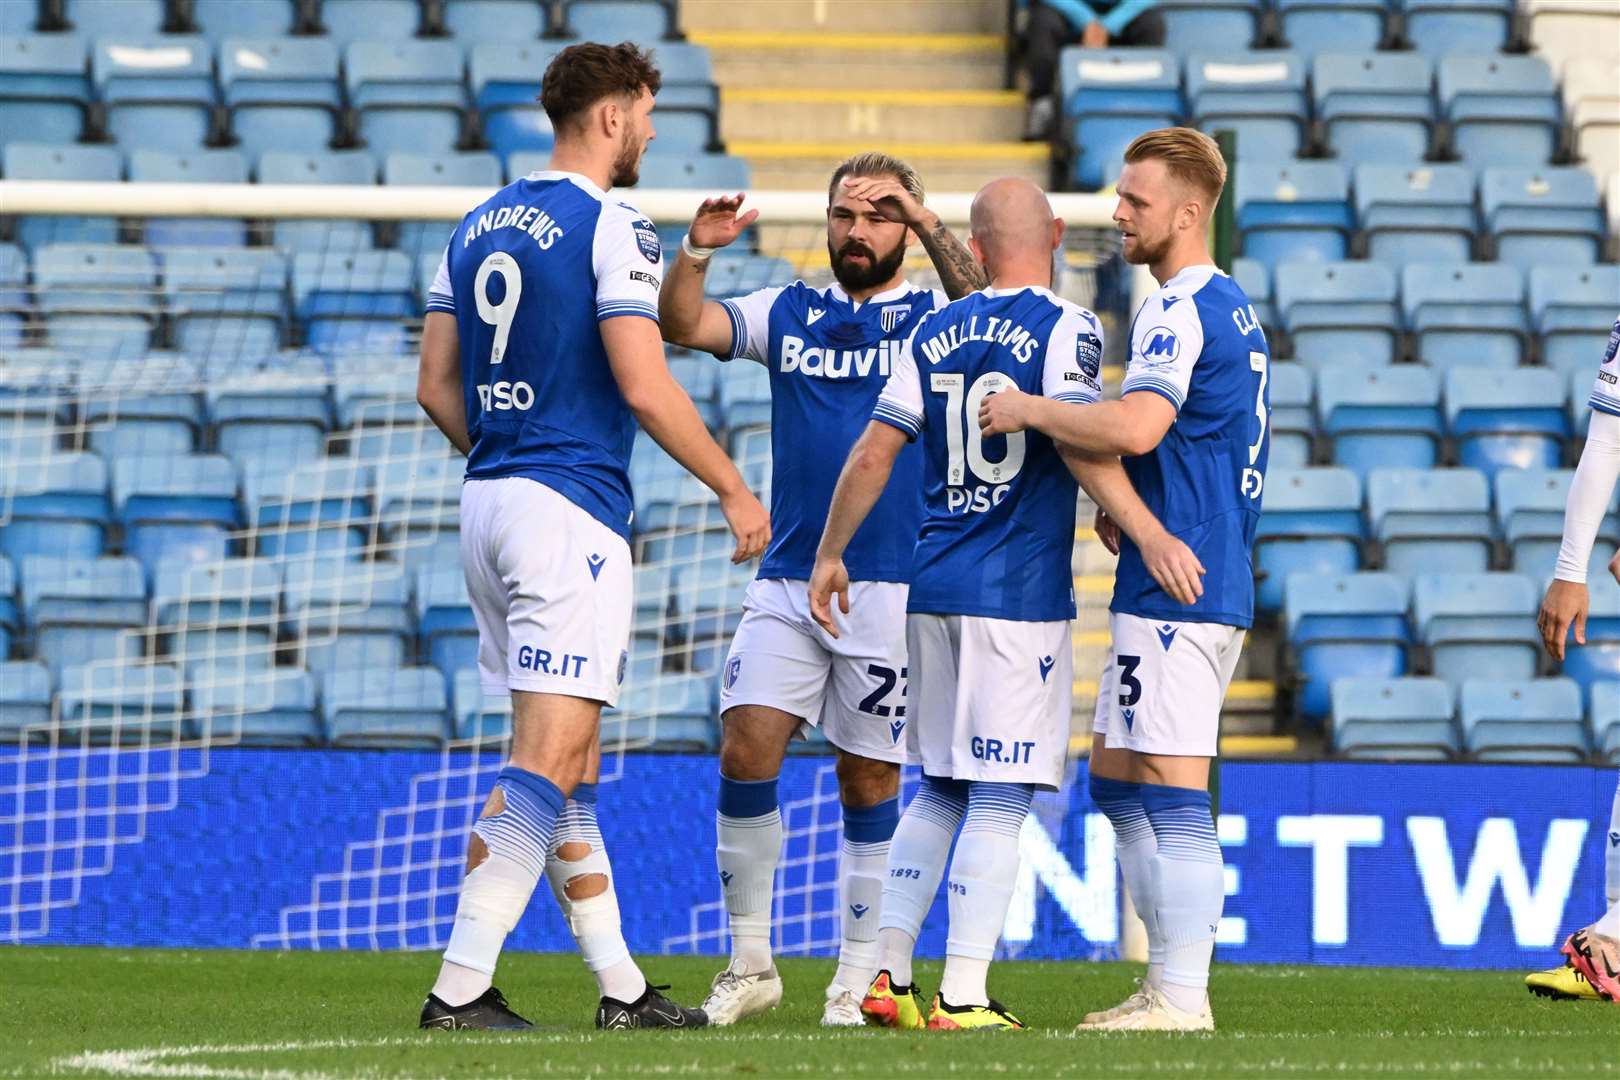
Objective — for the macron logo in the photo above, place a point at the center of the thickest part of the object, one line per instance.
(1614, 839)
(1046, 663)
(1169, 300)
(596, 562)
(813, 315)
(895, 728)
(1130, 718)
(725, 877)
(859, 910)
(1167, 635)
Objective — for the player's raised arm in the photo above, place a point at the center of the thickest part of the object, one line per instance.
(864, 476)
(438, 379)
(685, 316)
(959, 272)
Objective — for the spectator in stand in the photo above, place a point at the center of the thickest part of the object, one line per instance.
(1094, 24)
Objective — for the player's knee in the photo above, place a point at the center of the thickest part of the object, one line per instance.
(747, 752)
(585, 886)
(866, 782)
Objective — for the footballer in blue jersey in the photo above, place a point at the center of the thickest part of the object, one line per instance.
(1191, 425)
(540, 354)
(828, 351)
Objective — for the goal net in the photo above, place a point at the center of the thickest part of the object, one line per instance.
(224, 521)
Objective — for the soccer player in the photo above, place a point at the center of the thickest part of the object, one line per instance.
(991, 601)
(1592, 966)
(828, 352)
(540, 354)
(1191, 426)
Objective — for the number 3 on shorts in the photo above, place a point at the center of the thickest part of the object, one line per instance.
(1130, 687)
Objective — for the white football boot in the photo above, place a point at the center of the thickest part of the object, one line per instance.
(1137, 1000)
(1159, 1015)
(735, 994)
(843, 1008)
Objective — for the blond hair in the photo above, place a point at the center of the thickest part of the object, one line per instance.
(877, 163)
(1188, 154)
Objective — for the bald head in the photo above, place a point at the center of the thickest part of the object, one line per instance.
(1014, 232)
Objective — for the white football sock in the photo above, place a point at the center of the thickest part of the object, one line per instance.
(748, 844)
(863, 862)
(1611, 852)
(594, 920)
(1189, 878)
(984, 872)
(1134, 846)
(917, 854)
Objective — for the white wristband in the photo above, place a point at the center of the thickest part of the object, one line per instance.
(700, 254)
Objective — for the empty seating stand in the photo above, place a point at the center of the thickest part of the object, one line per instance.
(1381, 417)
(272, 707)
(1339, 313)
(1405, 718)
(1477, 626)
(283, 93)
(410, 94)
(1353, 625)
(1542, 216)
(1416, 213)
(383, 707)
(44, 85)
(1375, 107)
(122, 703)
(1526, 720)
(1466, 314)
(1312, 524)
(1572, 311)
(1503, 110)
(158, 91)
(1112, 96)
(1431, 520)
(1511, 419)
(1293, 211)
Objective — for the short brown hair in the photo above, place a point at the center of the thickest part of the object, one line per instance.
(583, 74)
(1191, 157)
(877, 163)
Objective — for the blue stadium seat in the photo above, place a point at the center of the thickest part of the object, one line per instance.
(495, 20)
(473, 169)
(1511, 419)
(700, 377)
(283, 93)
(44, 85)
(10, 615)
(1113, 95)
(97, 297)
(1293, 211)
(1451, 27)
(158, 91)
(477, 715)
(1339, 313)
(1466, 314)
(226, 301)
(319, 167)
(1380, 417)
(347, 615)
(1604, 714)
(712, 172)
(379, 404)
(321, 507)
(733, 275)
(444, 618)
(122, 703)
(253, 708)
(418, 499)
(745, 395)
(16, 19)
(81, 611)
(505, 81)
(99, 18)
(217, 613)
(139, 423)
(674, 712)
(1259, 95)
(42, 161)
(1572, 308)
(60, 508)
(25, 698)
(1312, 524)
(1503, 110)
(645, 22)
(181, 506)
(1599, 659)
(1477, 625)
(1352, 625)
(1421, 213)
(1530, 514)
(1193, 26)
(1523, 720)
(1314, 26)
(1545, 216)
(1254, 278)
(688, 79)
(1377, 108)
(685, 505)
(265, 420)
(410, 94)
(353, 300)
(386, 708)
(221, 19)
(1407, 719)
(1431, 520)
(199, 167)
(1293, 422)
(348, 21)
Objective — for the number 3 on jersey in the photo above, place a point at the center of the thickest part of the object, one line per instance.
(1253, 480)
(500, 315)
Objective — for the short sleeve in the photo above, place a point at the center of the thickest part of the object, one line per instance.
(626, 260)
(1074, 359)
(1606, 390)
(440, 295)
(1165, 345)
(750, 317)
(901, 402)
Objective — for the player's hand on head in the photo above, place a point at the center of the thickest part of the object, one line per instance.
(750, 524)
(1564, 606)
(887, 195)
(1004, 412)
(1175, 567)
(1107, 531)
(720, 220)
(828, 579)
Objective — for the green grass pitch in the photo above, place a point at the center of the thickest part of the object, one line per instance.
(103, 1012)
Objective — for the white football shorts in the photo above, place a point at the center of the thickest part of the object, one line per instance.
(1162, 690)
(852, 686)
(992, 697)
(550, 588)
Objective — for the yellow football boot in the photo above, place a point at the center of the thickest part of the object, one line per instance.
(1562, 984)
(948, 1017)
(889, 1005)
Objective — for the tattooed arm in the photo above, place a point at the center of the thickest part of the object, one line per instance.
(959, 274)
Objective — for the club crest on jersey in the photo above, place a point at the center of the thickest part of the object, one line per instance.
(1160, 344)
(647, 240)
(1088, 354)
(733, 669)
(892, 316)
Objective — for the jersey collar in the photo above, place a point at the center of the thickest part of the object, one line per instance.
(836, 291)
(1193, 277)
(556, 174)
(1041, 290)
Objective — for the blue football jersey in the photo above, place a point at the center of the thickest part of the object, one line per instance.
(828, 359)
(1606, 390)
(998, 524)
(1198, 343)
(528, 275)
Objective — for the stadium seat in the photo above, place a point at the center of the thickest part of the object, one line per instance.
(1113, 95)
(1339, 313)
(121, 703)
(319, 167)
(1530, 515)
(1194, 26)
(386, 708)
(1511, 419)
(1312, 524)
(495, 20)
(1376, 108)
(81, 611)
(505, 81)
(217, 613)
(477, 715)
(1503, 110)
(59, 507)
(1404, 719)
(25, 699)
(1542, 216)
(1574, 28)
(1604, 714)
(675, 712)
(1352, 625)
(1258, 95)
(1293, 423)
(42, 161)
(1458, 27)
(1314, 26)
(44, 85)
(1380, 417)
(1254, 278)
(347, 21)
(646, 22)
(1431, 520)
(141, 423)
(322, 507)
(158, 91)
(1421, 213)
(353, 300)
(1297, 211)
(346, 615)
(270, 419)
(283, 93)
(471, 169)
(379, 402)
(180, 506)
(1572, 308)
(10, 616)
(1477, 626)
(199, 167)
(1525, 720)
(418, 499)
(104, 18)
(226, 301)
(733, 275)
(745, 394)
(254, 19)
(444, 619)
(97, 297)
(410, 94)
(1592, 103)
(253, 708)
(1466, 314)
(713, 172)
(1599, 659)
